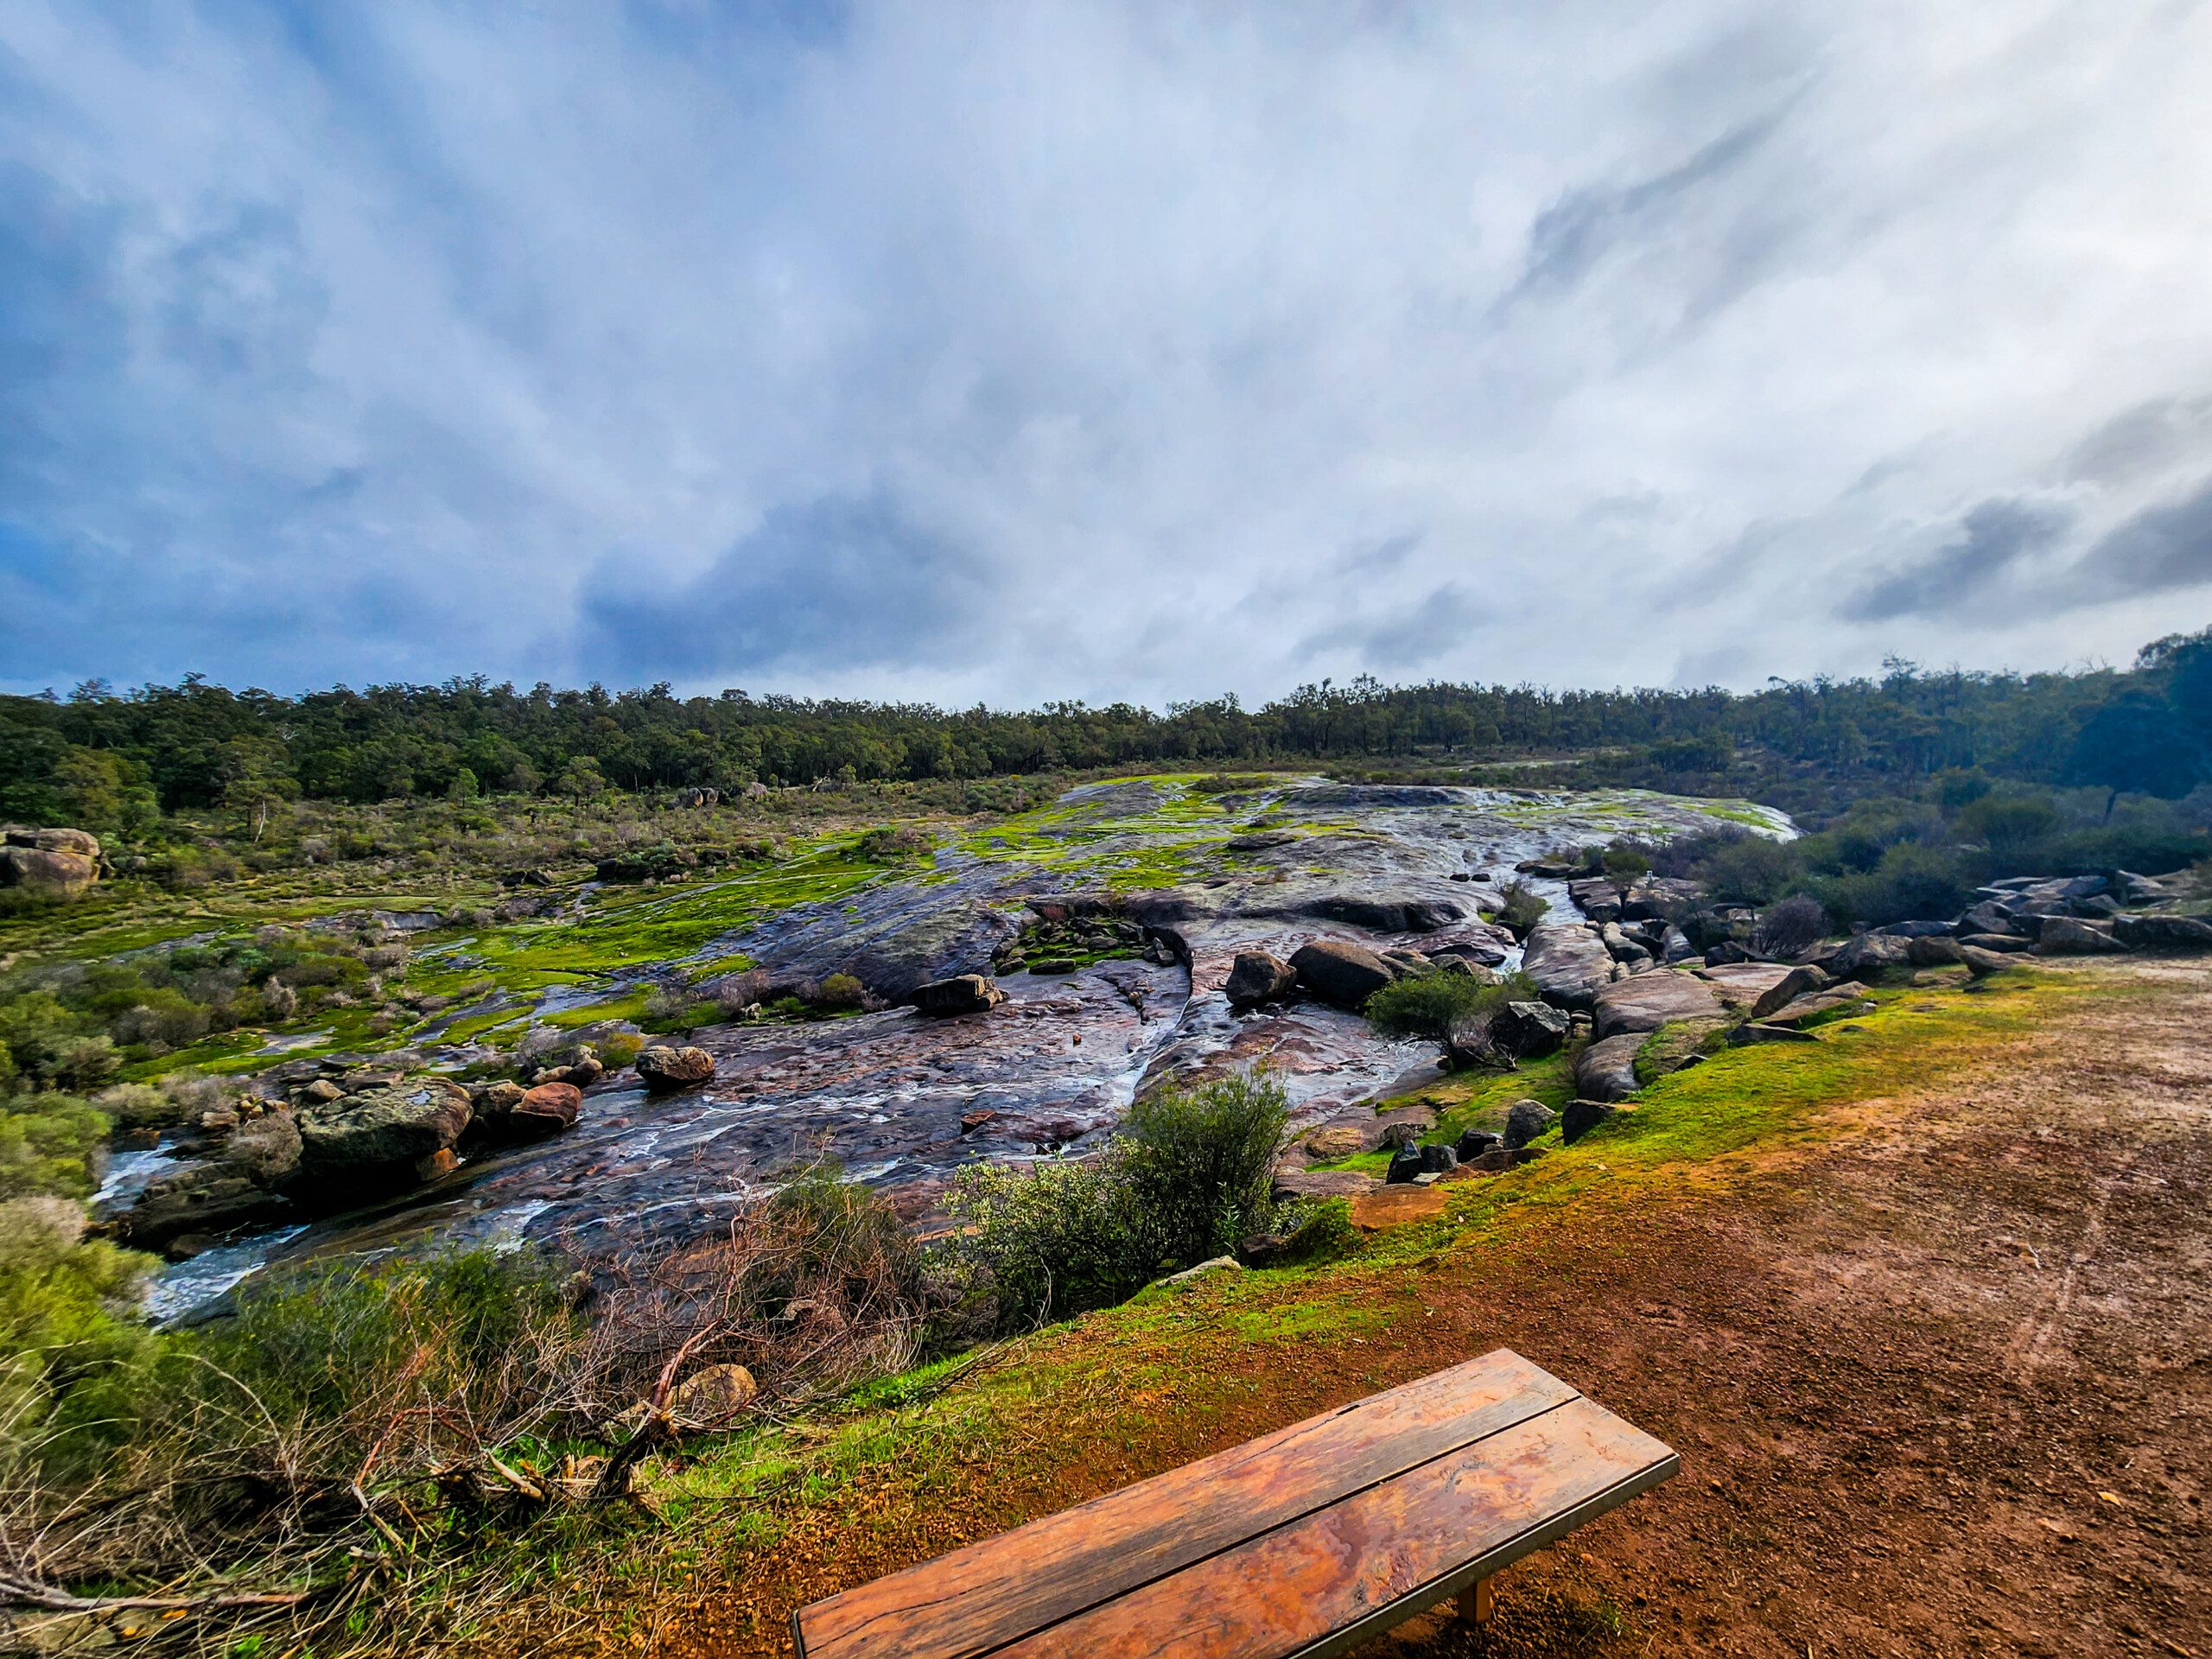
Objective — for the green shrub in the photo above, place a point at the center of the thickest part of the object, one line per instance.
(1429, 1005)
(52, 1144)
(77, 1362)
(1523, 906)
(1911, 883)
(839, 991)
(1051, 1240)
(1624, 861)
(1201, 1161)
(1750, 871)
(892, 844)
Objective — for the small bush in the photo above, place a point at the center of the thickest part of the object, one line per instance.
(1751, 871)
(50, 1144)
(1624, 861)
(1911, 883)
(1201, 1161)
(1790, 927)
(617, 1048)
(1052, 1240)
(895, 844)
(1431, 1005)
(839, 991)
(1522, 907)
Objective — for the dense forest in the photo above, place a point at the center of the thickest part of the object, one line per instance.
(117, 759)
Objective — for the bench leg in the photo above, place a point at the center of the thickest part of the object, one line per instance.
(1475, 1607)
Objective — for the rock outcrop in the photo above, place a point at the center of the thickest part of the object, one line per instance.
(1567, 963)
(1259, 976)
(380, 1139)
(1606, 1070)
(1649, 1000)
(1339, 972)
(61, 863)
(961, 994)
(664, 1069)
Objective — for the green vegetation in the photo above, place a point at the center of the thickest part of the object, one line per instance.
(1434, 1004)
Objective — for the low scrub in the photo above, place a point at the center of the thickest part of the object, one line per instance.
(1188, 1178)
(1436, 1004)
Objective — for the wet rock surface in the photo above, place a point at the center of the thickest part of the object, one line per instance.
(1024, 1065)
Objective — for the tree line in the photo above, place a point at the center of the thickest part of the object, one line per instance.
(122, 757)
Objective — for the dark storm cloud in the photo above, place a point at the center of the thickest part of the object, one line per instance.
(1573, 235)
(2163, 548)
(835, 584)
(1969, 573)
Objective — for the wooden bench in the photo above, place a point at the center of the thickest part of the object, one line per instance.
(1303, 1543)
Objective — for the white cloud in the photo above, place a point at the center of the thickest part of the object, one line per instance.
(420, 341)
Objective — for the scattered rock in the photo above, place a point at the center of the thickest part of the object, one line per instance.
(1217, 1264)
(711, 1397)
(546, 1110)
(1651, 1000)
(662, 1069)
(1529, 1030)
(1567, 962)
(2064, 936)
(372, 1141)
(1345, 974)
(1259, 976)
(1525, 1120)
(1477, 1143)
(2163, 932)
(1607, 1070)
(1753, 1032)
(1798, 981)
(961, 994)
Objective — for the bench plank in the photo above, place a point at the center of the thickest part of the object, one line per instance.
(979, 1598)
(1326, 1583)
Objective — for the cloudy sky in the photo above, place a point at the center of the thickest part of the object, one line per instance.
(1045, 350)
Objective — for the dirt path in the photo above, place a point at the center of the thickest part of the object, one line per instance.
(1945, 1391)
(1942, 1387)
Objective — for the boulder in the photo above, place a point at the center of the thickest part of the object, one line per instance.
(1406, 1163)
(1476, 1143)
(1607, 1070)
(1918, 929)
(1583, 1116)
(1595, 898)
(2064, 936)
(1798, 981)
(60, 863)
(1386, 912)
(1259, 976)
(1466, 968)
(1345, 974)
(372, 1140)
(2163, 932)
(1525, 1120)
(1567, 962)
(1868, 957)
(961, 994)
(1656, 897)
(1528, 1030)
(662, 1069)
(1619, 946)
(1406, 964)
(1651, 1000)
(1988, 917)
(1980, 961)
(1932, 950)
(1674, 946)
(1334, 1140)
(1727, 952)
(1817, 1006)
(203, 1198)
(1996, 942)
(547, 1109)
(711, 1397)
(1438, 1160)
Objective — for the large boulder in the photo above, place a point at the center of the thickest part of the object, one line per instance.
(661, 1068)
(1386, 912)
(1597, 898)
(1798, 981)
(2064, 936)
(1988, 917)
(1606, 1070)
(1651, 1000)
(1529, 1030)
(961, 994)
(1996, 941)
(547, 1109)
(1342, 973)
(1567, 962)
(1932, 950)
(210, 1198)
(1259, 976)
(1525, 1120)
(1818, 1005)
(60, 863)
(2163, 932)
(1868, 957)
(370, 1141)
(1980, 961)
